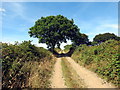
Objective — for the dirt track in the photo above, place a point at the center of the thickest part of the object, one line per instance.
(90, 79)
(57, 79)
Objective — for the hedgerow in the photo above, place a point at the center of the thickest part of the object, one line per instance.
(103, 59)
(21, 61)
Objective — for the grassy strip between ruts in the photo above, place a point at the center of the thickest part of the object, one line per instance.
(72, 80)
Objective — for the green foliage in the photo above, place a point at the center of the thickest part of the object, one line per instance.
(80, 39)
(58, 50)
(103, 59)
(16, 66)
(53, 30)
(104, 37)
(67, 48)
(94, 43)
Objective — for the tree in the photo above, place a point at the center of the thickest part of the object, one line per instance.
(80, 39)
(104, 37)
(53, 30)
(94, 43)
(67, 47)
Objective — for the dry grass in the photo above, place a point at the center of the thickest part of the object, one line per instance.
(40, 74)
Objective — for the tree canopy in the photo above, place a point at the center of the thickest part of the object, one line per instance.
(104, 37)
(80, 38)
(53, 30)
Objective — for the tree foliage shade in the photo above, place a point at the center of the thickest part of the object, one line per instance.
(54, 30)
(104, 37)
(80, 39)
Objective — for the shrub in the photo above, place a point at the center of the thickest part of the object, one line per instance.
(18, 60)
(104, 59)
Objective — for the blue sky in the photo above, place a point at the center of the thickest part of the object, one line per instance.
(91, 17)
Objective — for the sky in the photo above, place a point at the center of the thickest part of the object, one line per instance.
(92, 18)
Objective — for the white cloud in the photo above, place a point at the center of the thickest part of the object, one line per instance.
(111, 28)
(64, 44)
(35, 42)
(19, 10)
(2, 10)
(114, 26)
(40, 45)
(98, 25)
(12, 40)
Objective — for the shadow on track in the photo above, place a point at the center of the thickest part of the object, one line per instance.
(68, 54)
